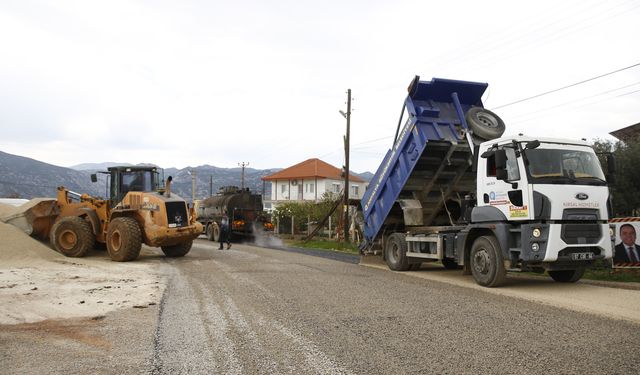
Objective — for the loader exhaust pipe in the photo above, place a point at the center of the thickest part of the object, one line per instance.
(168, 187)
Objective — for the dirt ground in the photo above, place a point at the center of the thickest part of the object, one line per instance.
(37, 283)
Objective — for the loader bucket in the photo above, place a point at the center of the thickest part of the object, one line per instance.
(34, 217)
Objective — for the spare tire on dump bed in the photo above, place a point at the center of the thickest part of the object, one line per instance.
(484, 123)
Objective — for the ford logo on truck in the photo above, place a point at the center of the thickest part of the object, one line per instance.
(582, 196)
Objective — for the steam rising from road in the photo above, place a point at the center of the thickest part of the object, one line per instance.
(265, 239)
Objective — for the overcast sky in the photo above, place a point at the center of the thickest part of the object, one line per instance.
(187, 83)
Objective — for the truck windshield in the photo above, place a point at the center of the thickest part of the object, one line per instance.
(563, 166)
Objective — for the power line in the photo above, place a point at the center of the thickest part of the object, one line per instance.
(566, 87)
(577, 100)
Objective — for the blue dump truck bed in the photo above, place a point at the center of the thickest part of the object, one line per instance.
(430, 161)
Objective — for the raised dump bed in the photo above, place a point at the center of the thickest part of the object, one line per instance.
(430, 162)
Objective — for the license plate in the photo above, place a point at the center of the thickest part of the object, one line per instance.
(582, 256)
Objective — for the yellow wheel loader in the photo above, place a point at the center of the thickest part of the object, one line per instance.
(139, 210)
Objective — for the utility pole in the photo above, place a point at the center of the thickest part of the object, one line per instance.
(346, 167)
(193, 185)
(211, 186)
(243, 164)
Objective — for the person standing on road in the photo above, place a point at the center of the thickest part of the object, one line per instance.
(225, 232)
(627, 251)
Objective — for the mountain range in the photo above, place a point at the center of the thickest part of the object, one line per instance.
(22, 177)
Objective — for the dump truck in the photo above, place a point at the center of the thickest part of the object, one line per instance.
(139, 210)
(244, 209)
(453, 189)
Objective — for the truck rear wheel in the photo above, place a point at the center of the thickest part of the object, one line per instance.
(216, 232)
(124, 239)
(396, 252)
(210, 232)
(178, 250)
(567, 276)
(487, 265)
(72, 237)
(484, 123)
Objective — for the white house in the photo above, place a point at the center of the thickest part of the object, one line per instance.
(308, 181)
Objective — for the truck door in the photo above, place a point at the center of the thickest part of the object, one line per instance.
(509, 193)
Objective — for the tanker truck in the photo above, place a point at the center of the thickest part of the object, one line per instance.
(452, 189)
(244, 209)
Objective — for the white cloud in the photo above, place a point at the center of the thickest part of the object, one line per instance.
(192, 82)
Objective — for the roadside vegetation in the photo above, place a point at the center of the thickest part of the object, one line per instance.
(330, 245)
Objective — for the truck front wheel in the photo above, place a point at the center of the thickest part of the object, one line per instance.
(124, 239)
(178, 250)
(487, 264)
(567, 276)
(396, 252)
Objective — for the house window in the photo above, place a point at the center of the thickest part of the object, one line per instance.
(354, 190)
(310, 188)
(336, 187)
(283, 189)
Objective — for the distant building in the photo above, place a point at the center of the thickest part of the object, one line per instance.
(307, 182)
(628, 134)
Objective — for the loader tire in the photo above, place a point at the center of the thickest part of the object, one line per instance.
(72, 237)
(124, 239)
(484, 123)
(567, 276)
(178, 250)
(210, 232)
(396, 252)
(487, 265)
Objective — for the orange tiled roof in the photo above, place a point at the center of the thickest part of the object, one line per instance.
(310, 168)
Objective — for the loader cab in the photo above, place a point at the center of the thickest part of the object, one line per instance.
(126, 179)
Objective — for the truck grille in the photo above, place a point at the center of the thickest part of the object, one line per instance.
(177, 214)
(581, 233)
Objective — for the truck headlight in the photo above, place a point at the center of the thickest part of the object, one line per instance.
(535, 247)
(537, 232)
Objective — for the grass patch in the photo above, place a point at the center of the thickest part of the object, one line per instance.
(343, 247)
(617, 274)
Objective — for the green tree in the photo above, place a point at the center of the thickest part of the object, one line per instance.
(302, 212)
(624, 191)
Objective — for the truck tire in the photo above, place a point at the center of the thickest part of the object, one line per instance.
(216, 233)
(124, 239)
(484, 123)
(567, 276)
(487, 265)
(396, 252)
(72, 237)
(210, 232)
(178, 250)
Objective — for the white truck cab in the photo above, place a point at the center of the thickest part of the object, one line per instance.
(554, 191)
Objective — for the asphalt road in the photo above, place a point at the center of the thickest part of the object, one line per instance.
(251, 310)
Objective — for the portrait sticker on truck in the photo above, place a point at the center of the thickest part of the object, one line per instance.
(515, 211)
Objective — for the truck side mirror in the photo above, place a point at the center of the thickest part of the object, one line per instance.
(501, 165)
(531, 145)
(611, 169)
(611, 164)
(501, 159)
(94, 177)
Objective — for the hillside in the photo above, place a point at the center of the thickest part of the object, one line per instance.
(27, 178)
(22, 177)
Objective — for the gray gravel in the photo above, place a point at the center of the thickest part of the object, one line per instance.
(250, 310)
